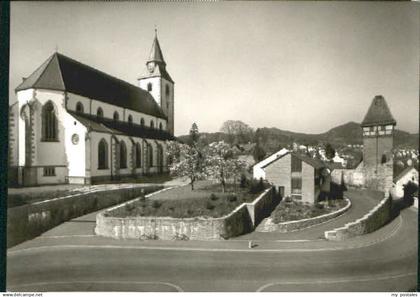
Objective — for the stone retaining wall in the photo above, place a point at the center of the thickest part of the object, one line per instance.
(28, 221)
(270, 226)
(239, 221)
(372, 221)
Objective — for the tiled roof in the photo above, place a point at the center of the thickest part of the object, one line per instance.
(316, 163)
(378, 113)
(96, 124)
(62, 73)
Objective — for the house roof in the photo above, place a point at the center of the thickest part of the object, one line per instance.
(378, 113)
(62, 73)
(316, 163)
(103, 125)
(403, 173)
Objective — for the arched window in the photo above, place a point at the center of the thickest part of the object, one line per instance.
(160, 126)
(152, 124)
(130, 119)
(141, 122)
(167, 91)
(383, 159)
(79, 107)
(149, 87)
(102, 154)
(49, 123)
(123, 155)
(116, 116)
(138, 155)
(99, 113)
(150, 155)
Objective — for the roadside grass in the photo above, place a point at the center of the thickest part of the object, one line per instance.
(293, 210)
(206, 200)
(147, 179)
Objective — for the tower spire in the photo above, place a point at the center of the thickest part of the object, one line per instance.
(156, 55)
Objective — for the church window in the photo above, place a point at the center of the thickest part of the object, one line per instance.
(49, 171)
(167, 91)
(49, 123)
(152, 124)
(149, 87)
(150, 155)
(116, 116)
(138, 155)
(102, 154)
(130, 119)
(160, 126)
(142, 122)
(99, 113)
(79, 107)
(123, 155)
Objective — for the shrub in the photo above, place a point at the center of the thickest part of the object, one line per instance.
(244, 181)
(156, 204)
(209, 205)
(213, 197)
(319, 206)
(256, 186)
(232, 198)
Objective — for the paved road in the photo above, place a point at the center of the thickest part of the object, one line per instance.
(71, 258)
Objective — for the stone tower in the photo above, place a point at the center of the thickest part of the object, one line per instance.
(378, 133)
(159, 83)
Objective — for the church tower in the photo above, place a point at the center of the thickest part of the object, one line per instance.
(159, 83)
(378, 133)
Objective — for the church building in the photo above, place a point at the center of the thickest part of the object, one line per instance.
(75, 124)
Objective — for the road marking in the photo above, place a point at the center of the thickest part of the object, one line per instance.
(329, 281)
(178, 288)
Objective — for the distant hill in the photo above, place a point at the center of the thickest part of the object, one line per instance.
(350, 133)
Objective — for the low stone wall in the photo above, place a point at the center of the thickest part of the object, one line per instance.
(239, 221)
(28, 221)
(351, 177)
(372, 221)
(270, 226)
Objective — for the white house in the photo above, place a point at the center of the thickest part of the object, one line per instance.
(258, 169)
(75, 124)
(408, 174)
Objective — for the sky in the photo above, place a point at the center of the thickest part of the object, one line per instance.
(299, 66)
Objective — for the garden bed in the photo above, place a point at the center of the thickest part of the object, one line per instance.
(206, 200)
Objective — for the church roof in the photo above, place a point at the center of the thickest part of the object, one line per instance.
(62, 73)
(104, 125)
(378, 113)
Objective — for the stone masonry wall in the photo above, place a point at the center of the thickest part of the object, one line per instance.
(372, 221)
(239, 221)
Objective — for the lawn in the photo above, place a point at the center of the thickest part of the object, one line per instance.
(206, 200)
(296, 210)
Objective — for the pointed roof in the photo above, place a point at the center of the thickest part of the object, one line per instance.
(62, 73)
(156, 53)
(378, 113)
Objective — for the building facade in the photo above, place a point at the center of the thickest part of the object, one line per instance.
(75, 124)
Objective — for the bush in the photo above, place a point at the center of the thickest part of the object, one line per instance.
(244, 181)
(209, 205)
(213, 197)
(256, 186)
(156, 204)
(232, 198)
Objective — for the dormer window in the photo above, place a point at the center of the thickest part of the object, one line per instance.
(149, 87)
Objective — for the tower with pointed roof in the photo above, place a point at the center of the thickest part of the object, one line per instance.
(378, 132)
(159, 83)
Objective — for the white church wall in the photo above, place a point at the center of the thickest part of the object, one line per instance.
(156, 87)
(23, 97)
(73, 99)
(75, 145)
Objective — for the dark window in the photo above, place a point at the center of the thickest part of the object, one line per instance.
(49, 171)
(49, 123)
(102, 154)
(296, 164)
(79, 107)
(130, 119)
(160, 126)
(99, 113)
(116, 116)
(142, 122)
(167, 91)
(138, 155)
(383, 159)
(149, 87)
(296, 185)
(123, 155)
(152, 124)
(150, 155)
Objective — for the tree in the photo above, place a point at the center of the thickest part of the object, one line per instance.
(329, 152)
(237, 131)
(186, 161)
(258, 153)
(221, 164)
(194, 134)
